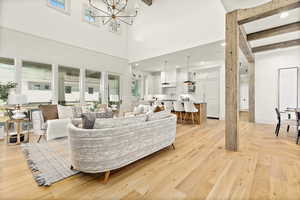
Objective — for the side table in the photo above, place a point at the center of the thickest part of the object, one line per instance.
(18, 129)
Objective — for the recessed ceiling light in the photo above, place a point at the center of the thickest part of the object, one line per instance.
(137, 64)
(223, 44)
(284, 15)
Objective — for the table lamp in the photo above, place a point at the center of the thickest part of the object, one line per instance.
(17, 100)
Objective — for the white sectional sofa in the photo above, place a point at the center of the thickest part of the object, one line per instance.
(118, 142)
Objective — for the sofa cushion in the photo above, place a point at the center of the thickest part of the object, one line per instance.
(158, 115)
(49, 112)
(88, 120)
(117, 122)
(65, 112)
(77, 111)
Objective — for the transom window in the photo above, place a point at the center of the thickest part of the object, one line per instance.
(88, 14)
(62, 5)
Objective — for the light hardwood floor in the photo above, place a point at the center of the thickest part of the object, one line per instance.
(266, 167)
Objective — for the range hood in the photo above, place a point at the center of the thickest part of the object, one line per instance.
(164, 83)
(188, 81)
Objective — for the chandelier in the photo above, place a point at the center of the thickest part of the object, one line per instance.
(114, 12)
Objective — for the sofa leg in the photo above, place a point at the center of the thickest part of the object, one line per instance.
(71, 167)
(173, 146)
(106, 176)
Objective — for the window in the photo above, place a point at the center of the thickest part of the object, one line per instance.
(7, 70)
(61, 5)
(36, 82)
(88, 14)
(92, 86)
(114, 89)
(68, 85)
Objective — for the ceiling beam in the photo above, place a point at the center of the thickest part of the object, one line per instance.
(274, 31)
(148, 2)
(266, 10)
(244, 45)
(279, 45)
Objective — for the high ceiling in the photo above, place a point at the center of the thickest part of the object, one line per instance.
(202, 56)
(213, 54)
(265, 23)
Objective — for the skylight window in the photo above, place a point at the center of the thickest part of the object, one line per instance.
(61, 5)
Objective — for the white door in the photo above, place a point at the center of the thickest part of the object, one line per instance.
(244, 94)
(207, 90)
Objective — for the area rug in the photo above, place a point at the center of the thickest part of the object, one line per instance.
(48, 161)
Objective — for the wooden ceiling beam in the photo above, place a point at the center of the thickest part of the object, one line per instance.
(148, 2)
(266, 10)
(279, 45)
(288, 28)
(244, 45)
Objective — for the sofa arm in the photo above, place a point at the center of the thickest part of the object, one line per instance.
(57, 128)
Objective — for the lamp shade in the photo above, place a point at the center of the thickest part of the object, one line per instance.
(17, 99)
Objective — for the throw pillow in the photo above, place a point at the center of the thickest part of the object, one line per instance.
(158, 115)
(77, 112)
(88, 120)
(118, 122)
(108, 114)
(158, 109)
(65, 112)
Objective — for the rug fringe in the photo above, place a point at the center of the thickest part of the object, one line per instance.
(34, 169)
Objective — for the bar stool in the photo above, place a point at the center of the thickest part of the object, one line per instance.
(178, 108)
(190, 108)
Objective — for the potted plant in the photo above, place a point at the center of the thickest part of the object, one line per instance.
(4, 90)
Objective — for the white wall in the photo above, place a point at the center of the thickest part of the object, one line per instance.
(35, 17)
(30, 48)
(171, 25)
(267, 65)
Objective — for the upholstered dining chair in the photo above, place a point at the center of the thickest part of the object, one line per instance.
(298, 126)
(179, 109)
(277, 129)
(168, 105)
(190, 109)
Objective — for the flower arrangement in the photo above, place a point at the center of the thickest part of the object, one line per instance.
(4, 90)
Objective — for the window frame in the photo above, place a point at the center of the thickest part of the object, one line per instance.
(66, 10)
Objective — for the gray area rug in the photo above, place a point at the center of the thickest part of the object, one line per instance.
(48, 161)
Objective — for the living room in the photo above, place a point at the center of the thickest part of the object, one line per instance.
(149, 99)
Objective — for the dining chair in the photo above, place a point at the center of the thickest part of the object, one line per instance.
(168, 105)
(178, 109)
(190, 109)
(277, 130)
(298, 126)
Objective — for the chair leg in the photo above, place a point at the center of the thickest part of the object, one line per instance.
(288, 128)
(39, 138)
(173, 146)
(193, 118)
(298, 137)
(106, 176)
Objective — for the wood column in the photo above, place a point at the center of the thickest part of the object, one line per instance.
(251, 72)
(232, 82)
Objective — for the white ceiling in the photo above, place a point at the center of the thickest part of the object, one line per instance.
(202, 56)
(265, 23)
(213, 54)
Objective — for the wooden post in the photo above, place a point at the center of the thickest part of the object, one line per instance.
(232, 82)
(251, 72)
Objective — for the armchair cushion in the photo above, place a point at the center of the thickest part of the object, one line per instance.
(65, 112)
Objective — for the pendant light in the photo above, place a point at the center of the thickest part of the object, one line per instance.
(188, 81)
(165, 81)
